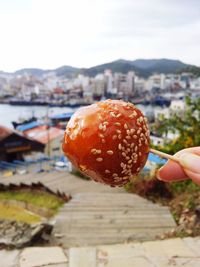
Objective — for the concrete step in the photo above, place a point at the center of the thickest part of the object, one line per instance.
(109, 218)
(166, 253)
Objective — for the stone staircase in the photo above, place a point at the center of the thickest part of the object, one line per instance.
(98, 214)
(109, 218)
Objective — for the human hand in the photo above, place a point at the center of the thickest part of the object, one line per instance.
(188, 167)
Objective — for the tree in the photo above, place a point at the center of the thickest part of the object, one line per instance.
(187, 127)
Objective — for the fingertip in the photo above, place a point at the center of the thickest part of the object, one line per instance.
(170, 172)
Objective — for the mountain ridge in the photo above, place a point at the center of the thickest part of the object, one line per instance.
(143, 67)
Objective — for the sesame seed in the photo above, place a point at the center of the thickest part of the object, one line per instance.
(132, 131)
(101, 135)
(104, 128)
(114, 175)
(132, 145)
(136, 149)
(127, 158)
(119, 136)
(125, 126)
(122, 164)
(128, 150)
(118, 131)
(135, 136)
(138, 169)
(107, 171)
(123, 154)
(124, 141)
(105, 123)
(114, 137)
(120, 146)
(140, 154)
(132, 116)
(117, 123)
(128, 137)
(130, 161)
(128, 132)
(110, 152)
(100, 126)
(99, 159)
(141, 119)
(93, 151)
(118, 115)
(112, 114)
(103, 141)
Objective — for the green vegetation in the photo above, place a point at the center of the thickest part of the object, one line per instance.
(192, 69)
(17, 213)
(37, 198)
(183, 198)
(187, 126)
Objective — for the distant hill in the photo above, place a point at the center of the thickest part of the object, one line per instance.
(61, 71)
(143, 67)
(30, 71)
(66, 70)
(115, 66)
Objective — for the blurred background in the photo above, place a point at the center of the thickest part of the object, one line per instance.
(58, 55)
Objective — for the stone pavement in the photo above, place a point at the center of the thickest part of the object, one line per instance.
(166, 253)
(99, 214)
(110, 218)
(63, 181)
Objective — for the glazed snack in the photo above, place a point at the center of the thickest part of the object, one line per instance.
(108, 141)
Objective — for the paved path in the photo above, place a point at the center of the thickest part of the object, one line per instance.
(99, 214)
(108, 218)
(166, 253)
(63, 181)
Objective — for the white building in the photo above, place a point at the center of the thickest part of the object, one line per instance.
(177, 107)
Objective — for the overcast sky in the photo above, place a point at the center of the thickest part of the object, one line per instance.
(83, 33)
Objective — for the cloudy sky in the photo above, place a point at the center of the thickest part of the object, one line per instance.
(84, 33)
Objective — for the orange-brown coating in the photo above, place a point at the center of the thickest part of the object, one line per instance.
(108, 141)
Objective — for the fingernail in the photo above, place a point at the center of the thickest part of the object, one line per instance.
(190, 161)
(158, 175)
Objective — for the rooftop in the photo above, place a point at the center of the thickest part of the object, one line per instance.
(43, 133)
(5, 132)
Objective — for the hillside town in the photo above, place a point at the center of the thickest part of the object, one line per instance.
(51, 89)
(159, 95)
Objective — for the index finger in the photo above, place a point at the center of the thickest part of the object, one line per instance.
(172, 171)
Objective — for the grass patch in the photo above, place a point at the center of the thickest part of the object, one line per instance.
(17, 213)
(37, 198)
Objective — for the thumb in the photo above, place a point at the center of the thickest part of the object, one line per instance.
(191, 164)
